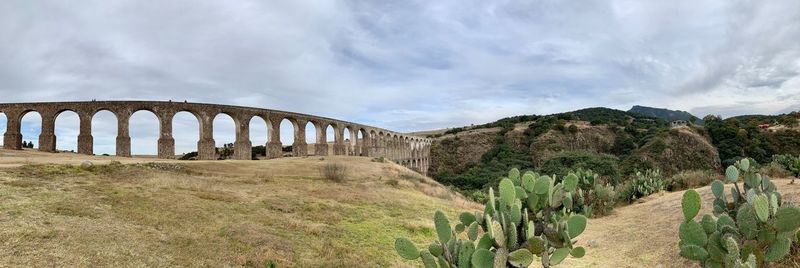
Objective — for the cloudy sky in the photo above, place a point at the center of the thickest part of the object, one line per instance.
(402, 65)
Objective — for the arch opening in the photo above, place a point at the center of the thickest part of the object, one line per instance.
(311, 138)
(259, 136)
(104, 133)
(31, 128)
(287, 129)
(348, 141)
(186, 132)
(224, 135)
(143, 128)
(67, 128)
(3, 122)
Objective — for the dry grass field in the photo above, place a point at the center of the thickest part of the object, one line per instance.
(216, 213)
(148, 212)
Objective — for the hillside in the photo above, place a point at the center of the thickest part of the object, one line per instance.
(666, 114)
(474, 158)
(210, 213)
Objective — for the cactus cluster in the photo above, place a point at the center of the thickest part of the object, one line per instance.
(644, 184)
(592, 198)
(752, 229)
(532, 216)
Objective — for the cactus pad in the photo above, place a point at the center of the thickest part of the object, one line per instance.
(571, 182)
(692, 233)
(442, 226)
(694, 252)
(777, 249)
(559, 255)
(718, 188)
(428, 260)
(507, 192)
(542, 185)
(761, 205)
(482, 258)
(575, 225)
(578, 252)
(467, 218)
(520, 258)
(732, 174)
(787, 219)
(690, 204)
(406, 249)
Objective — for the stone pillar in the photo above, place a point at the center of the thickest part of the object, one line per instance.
(206, 147)
(365, 145)
(123, 134)
(85, 140)
(13, 137)
(339, 148)
(47, 139)
(300, 147)
(321, 146)
(274, 146)
(243, 148)
(352, 146)
(166, 144)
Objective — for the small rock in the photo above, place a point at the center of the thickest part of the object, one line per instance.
(87, 164)
(592, 243)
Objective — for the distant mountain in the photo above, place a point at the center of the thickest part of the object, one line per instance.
(666, 114)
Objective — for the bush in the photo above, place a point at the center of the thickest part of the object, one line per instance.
(563, 163)
(691, 179)
(775, 170)
(752, 230)
(593, 199)
(642, 185)
(333, 172)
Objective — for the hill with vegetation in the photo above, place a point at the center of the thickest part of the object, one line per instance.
(473, 159)
(625, 142)
(666, 114)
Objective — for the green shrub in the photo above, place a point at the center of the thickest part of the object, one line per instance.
(752, 230)
(533, 215)
(691, 179)
(593, 198)
(790, 163)
(565, 162)
(774, 170)
(333, 172)
(642, 185)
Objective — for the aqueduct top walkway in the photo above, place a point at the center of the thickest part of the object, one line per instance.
(408, 150)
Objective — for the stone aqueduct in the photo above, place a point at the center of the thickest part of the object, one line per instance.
(407, 150)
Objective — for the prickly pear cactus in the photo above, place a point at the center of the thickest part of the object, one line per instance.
(532, 216)
(751, 228)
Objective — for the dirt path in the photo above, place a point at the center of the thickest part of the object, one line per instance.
(646, 234)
